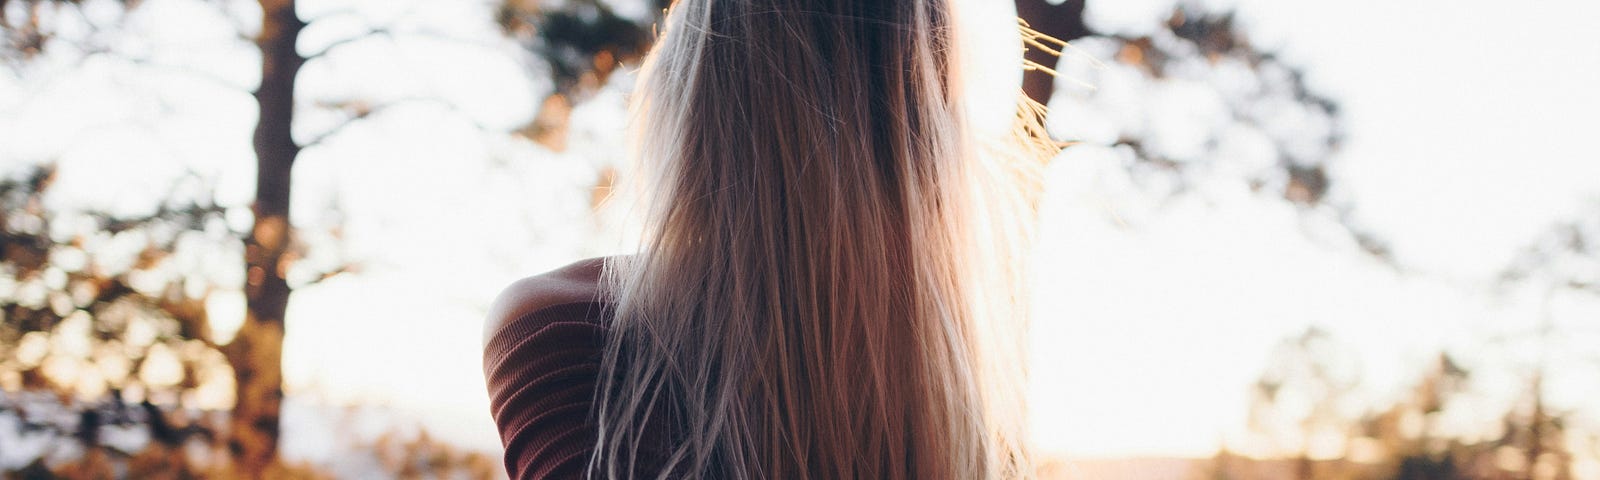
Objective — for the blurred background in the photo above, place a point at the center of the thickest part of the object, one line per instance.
(1294, 240)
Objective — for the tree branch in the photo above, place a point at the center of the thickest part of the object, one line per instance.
(378, 31)
(187, 70)
(336, 129)
(368, 112)
(345, 268)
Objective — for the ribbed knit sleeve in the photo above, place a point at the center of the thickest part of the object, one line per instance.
(541, 369)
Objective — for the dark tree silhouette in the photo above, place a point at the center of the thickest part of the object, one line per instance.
(1062, 21)
(257, 350)
(582, 42)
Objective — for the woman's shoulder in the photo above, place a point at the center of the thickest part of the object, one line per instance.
(543, 341)
(576, 284)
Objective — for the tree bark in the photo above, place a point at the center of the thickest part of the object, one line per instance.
(1063, 21)
(256, 351)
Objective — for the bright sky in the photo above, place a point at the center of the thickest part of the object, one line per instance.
(1467, 126)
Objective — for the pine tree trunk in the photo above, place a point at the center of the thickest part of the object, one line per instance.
(1063, 21)
(257, 349)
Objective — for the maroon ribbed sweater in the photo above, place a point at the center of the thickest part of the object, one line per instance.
(542, 370)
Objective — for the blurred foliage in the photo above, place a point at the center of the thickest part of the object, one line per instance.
(108, 348)
(1201, 46)
(26, 26)
(96, 303)
(107, 314)
(581, 43)
(1193, 100)
(422, 456)
(1439, 429)
(1306, 392)
(127, 451)
(1567, 256)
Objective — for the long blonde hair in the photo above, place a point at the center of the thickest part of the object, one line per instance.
(831, 280)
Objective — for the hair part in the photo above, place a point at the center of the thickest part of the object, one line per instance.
(830, 280)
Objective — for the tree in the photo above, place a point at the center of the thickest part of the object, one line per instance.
(1564, 257)
(582, 42)
(1563, 263)
(1532, 436)
(1247, 112)
(1305, 395)
(255, 352)
(1420, 435)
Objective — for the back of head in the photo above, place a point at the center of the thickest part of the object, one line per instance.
(829, 284)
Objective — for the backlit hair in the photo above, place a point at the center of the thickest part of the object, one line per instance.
(831, 281)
